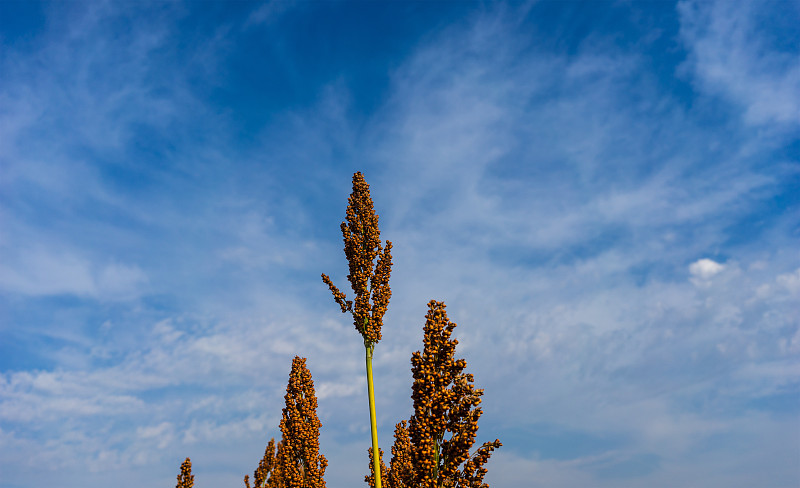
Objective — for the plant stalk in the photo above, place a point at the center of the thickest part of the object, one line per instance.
(376, 461)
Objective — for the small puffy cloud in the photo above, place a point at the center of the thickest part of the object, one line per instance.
(705, 269)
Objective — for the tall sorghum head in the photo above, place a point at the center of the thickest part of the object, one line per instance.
(362, 243)
(370, 479)
(185, 479)
(299, 463)
(445, 401)
(266, 474)
(400, 468)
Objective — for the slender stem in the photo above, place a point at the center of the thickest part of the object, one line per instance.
(376, 462)
(436, 461)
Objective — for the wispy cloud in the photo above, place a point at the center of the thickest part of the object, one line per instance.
(738, 51)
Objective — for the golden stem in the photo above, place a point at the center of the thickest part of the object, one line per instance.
(376, 462)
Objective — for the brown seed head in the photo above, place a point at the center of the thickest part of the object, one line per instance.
(265, 475)
(185, 479)
(445, 402)
(400, 473)
(298, 461)
(362, 243)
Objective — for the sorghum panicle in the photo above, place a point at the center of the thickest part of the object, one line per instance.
(362, 243)
(370, 479)
(399, 474)
(299, 463)
(445, 401)
(185, 479)
(401, 467)
(266, 474)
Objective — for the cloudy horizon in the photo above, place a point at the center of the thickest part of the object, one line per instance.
(604, 194)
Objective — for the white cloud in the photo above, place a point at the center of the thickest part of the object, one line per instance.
(729, 55)
(39, 271)
(268, 13)
(791, 282)
(163, 432)
(705, 268)
(342, 389)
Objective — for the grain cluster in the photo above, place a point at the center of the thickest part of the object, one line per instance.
(370, 281)
(185, 479)
(433, 452)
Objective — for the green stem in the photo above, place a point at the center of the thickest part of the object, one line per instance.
(376, 462)
(436, 461)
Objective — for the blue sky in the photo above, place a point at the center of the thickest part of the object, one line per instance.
(605, 195)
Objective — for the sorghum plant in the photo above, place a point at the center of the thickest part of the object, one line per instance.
(362, 243)
(266, 474)
(400, 466)
(370, 479)
(185, 479)
(445, 401)
(298, 462)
